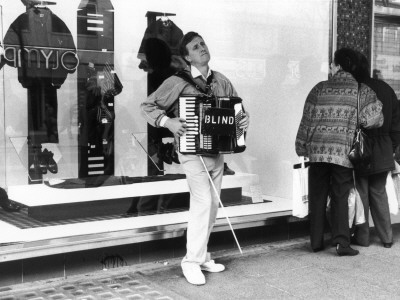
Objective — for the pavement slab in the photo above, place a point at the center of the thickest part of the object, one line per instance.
(279, 270)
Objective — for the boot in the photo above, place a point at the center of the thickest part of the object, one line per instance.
(227, 170)
(346, 251)
(6, 204)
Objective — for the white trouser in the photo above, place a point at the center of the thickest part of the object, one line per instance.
(203, 203)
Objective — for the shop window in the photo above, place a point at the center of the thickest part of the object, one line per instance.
(386, 51)
(388, 3)
(90, 158)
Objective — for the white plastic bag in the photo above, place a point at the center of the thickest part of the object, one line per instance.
(356, 208)
(352, 206)
(391, 194)
(359, 216)
(396, 181)
(300, 189)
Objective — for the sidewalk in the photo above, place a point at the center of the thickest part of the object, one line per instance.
(281, 270)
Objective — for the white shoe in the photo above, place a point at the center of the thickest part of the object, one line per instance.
(193, 274)
(211, 266)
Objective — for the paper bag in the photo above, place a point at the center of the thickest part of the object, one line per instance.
(300, 189)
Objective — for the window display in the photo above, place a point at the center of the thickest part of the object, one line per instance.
(98, 84)
(40, 45)
(159, 57)
(74, 145)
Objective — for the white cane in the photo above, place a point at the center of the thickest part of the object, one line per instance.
(222, 206)
(1, 34)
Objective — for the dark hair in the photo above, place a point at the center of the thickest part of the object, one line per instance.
(186, 39)
(347, 59)
(362, 68)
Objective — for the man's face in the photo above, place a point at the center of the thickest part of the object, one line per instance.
(198, 54)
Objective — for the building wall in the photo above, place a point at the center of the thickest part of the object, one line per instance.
(354, 25)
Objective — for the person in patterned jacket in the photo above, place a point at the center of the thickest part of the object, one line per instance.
(325, 137)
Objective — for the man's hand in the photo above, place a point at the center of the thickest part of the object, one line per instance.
(245, 121)
(176, 125)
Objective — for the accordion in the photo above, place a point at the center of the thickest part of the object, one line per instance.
(212, 125)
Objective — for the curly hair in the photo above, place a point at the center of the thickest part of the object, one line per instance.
(347, 59)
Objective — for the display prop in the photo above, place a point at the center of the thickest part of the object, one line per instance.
(159, 57)
(40, 45)
(98, 84)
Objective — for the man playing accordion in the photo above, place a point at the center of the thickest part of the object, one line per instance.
(203, 201)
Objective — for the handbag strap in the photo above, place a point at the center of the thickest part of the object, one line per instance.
(358, 104)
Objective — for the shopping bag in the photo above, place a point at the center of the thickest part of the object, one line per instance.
(352, 206)
(391, 194)
(359, 215)
(396, 183)
(356, 208)
(300, 189)
(396, 180)
(396, 168)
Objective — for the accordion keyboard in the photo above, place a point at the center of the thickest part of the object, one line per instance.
(187, 109)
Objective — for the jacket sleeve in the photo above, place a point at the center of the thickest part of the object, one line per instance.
(371, 115)
(229, 89)
(13, 38)
(302, 137)
(160, 101)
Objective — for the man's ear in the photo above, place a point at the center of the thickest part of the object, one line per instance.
(187, 57)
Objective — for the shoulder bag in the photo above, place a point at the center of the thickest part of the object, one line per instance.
(361, 151)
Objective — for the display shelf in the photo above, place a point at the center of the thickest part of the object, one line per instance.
(46, 203)
(42, 195)
(42, 241)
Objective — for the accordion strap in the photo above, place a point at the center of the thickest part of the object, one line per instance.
(185, 76)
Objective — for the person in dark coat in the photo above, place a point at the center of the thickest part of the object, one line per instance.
(371, 182)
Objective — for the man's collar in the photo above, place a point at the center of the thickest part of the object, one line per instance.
(196, 73)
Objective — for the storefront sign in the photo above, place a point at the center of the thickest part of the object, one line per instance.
(45, 58)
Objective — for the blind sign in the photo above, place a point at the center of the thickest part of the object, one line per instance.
(218, 121)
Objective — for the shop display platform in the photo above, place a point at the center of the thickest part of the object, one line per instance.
(56, 200)
(70, 236)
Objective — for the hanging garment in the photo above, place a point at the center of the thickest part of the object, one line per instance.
(169, 35)
(46, 45)
(41, 47)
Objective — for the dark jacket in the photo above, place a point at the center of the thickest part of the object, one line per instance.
(39, 31)
(387, 137)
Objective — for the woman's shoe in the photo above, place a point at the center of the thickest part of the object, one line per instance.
(318, 249)
(346, 251)
(50, 163)
(387, 245)
(227, 170)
